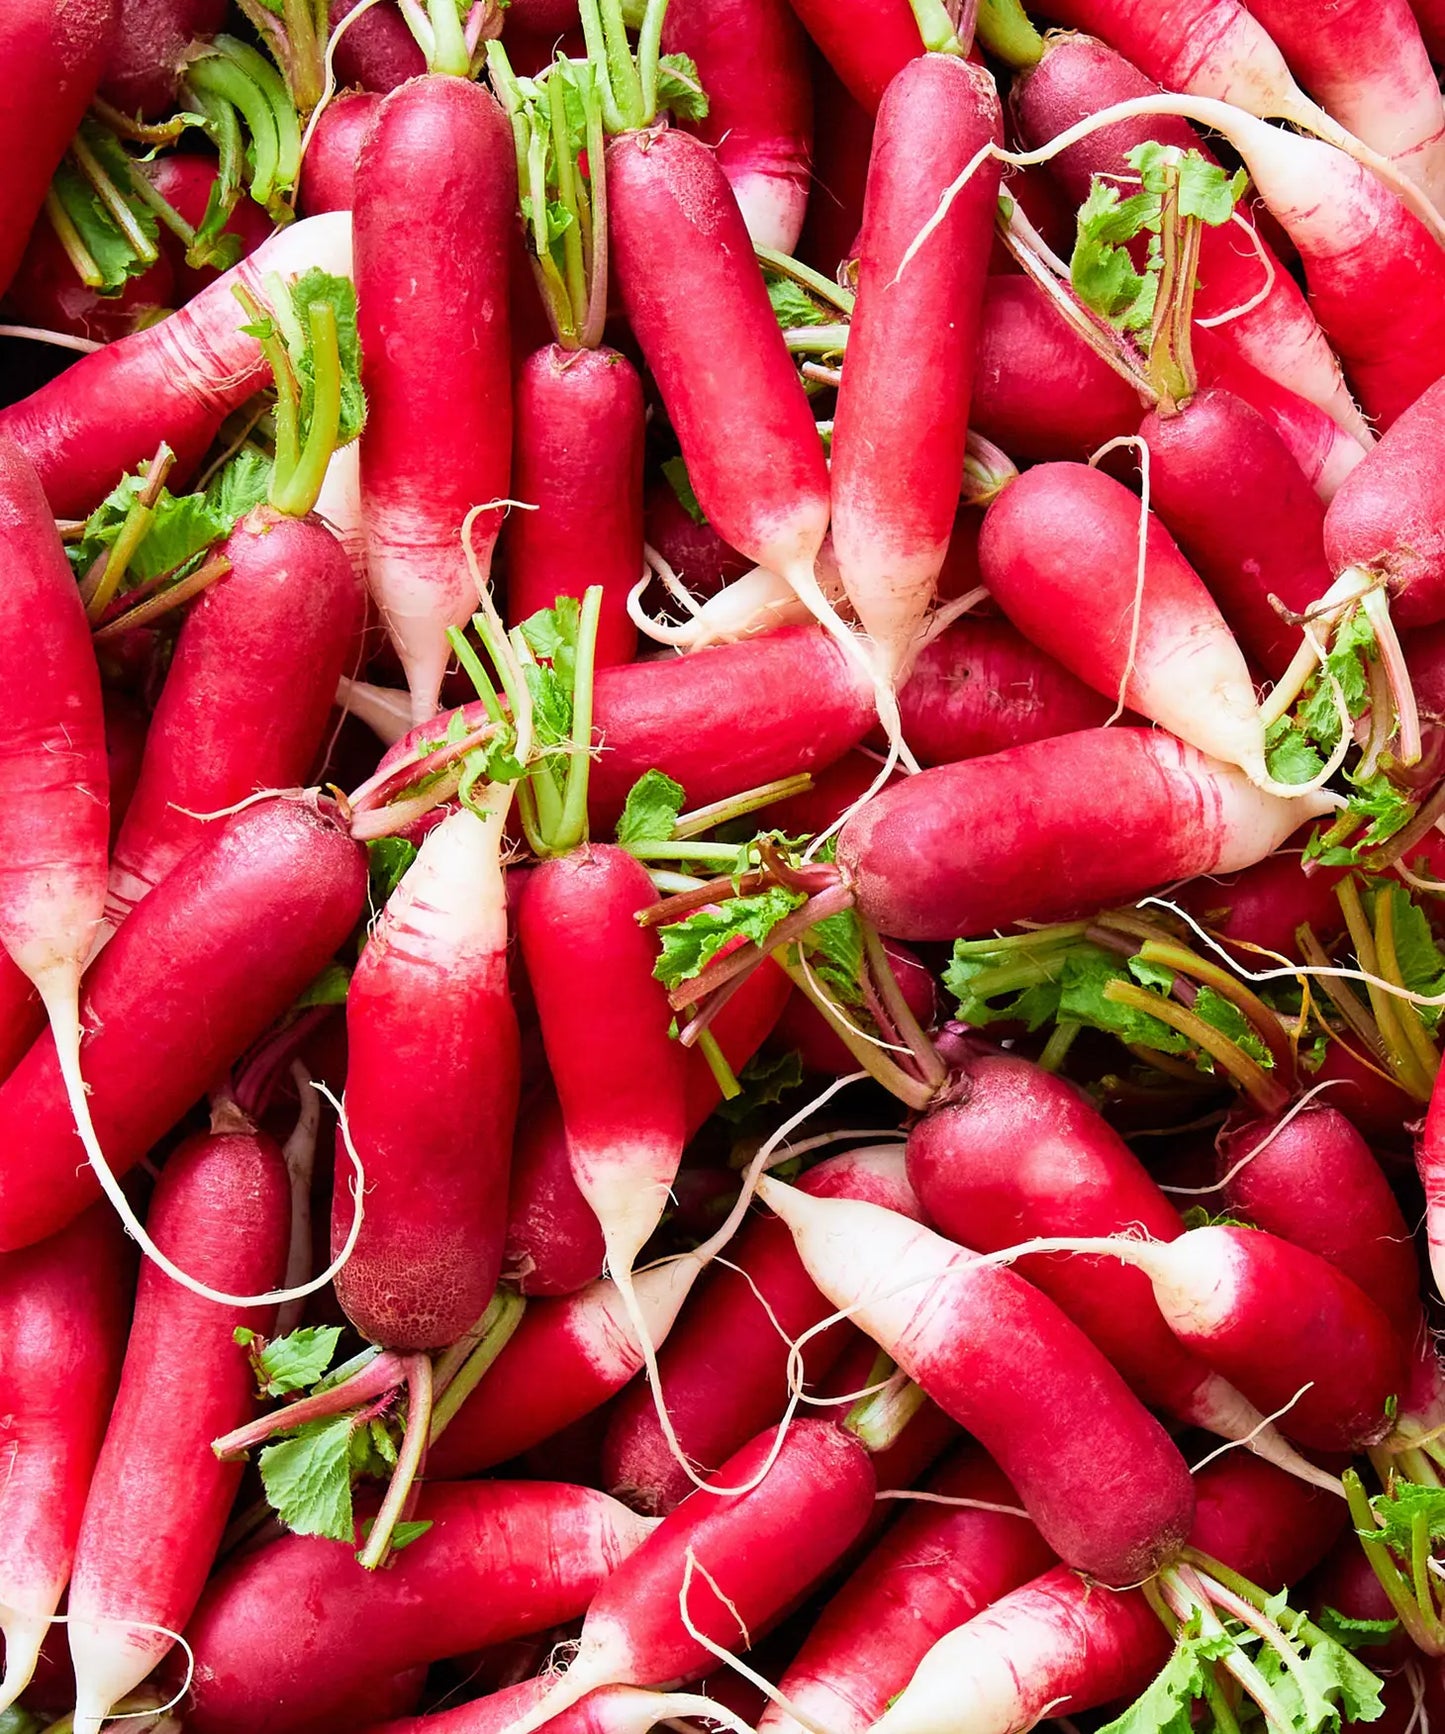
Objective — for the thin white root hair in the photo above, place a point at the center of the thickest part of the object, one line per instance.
(674, 585)
(241, 805)
(694, 1704)
(1133, 443)
(837, 1011)
(885, 771)
(1261, 294)
(139, 1626)
(1254, 1432)
(60, 339)
(950, 1499)
(944, 617)
(1260, 1148)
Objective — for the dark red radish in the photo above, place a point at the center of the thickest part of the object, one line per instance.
(1430, 1162)
(126, 725)
(377, 52)
(693, 549)
(148, 53)
(937, 1566)
(176, 381)
(554, 1242)
(185, 180)
(1264, 905)
(328, 170)
(866, 44)
(46, 293)
(752, 60)
(902, 411)
(1038, 833)
(247, 696)
(63, 1311)
(577, 458)
(842, 144)
(501, 1559)
(436, 188)
(221, 1211)
(58, 54)
(1097, 1474)
(222, 949)
(1430, 16)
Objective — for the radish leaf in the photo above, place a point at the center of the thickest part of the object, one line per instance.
(679, 88)
(650, 813)
(297, 1361)
(681, 484)
(307, 1479)
(690, 945)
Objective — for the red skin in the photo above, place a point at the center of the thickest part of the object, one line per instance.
(1374, 1102)
(673, 220)
(842, 145)
(222, 1211)
(724, 1367)
(1430, 16)
(936, 1567)
(45, 292)
(752, 59)
(501, 1559)
(1244, 515)
(1263, 905)
(378, 52)
(1390, 514)
(1425, 657)
(57, 55)
(695, 551)
(1039, 390)
(64, 1306)
(1430, 1162)
(897, 468)
(328, 174)
(186, 179)
(841, 786)
(217, 954)
(248, 694)
(803, 1026)
(554, 1242)
(865, 43)
(147, 56)
(577, 456)
(126, 726)
(981, 687)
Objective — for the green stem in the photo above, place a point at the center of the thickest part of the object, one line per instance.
(816, 339)
(280, 106)
(878, 1064)
(649, 54)
(725, 853)
(68, 235)
(700, 819)
(216, 75)
(783, 265)
(574, 265)
(936, 27)
(1223, 1719)
(1266, 1091)
(1056, 1048)
(154, 200)
(476, 673)
(138, 520)
(717, 1063)
(288, 396)
(1397, 1052)
(494, 1333)
(1417, 1037)
(596, 211)
(296, 491)
(1260, 1016)
(877, 1419)
(449, 44)
(224, 130)
(572, 823)
(1003, 28)
(112, 198)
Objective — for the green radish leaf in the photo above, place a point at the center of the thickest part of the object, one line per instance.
(311, 288)
(1396, 1511)
(1206, 191)
(108, 245)
(650, 814)
(388, 859)
(681, 484)
(835, 954)
(18, 1720)
(1151, 974)
(182, 528)
(1375, 799)
(1005, 986)
(679, 89)
(765, 1079)
(1422, 964)
(690, 945)
(793, 305)
(307, 1479)
(295, 1362)
(1087, 971)
(239, 484)
(1165, 1706)
(1200, 1216)
(1355, 1634)
(329, 988)
(1288, 755)
(1327, 1686)
(1229, 1020)
(402, 1536)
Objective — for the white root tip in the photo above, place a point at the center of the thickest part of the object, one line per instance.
(24, 1635)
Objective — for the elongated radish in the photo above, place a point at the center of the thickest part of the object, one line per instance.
(222, 1211)
(896, 470)
(176, 381)
(842, 144)
(610, 1710)
(1098, 1475)
(1430, 1161)
(63, 1307)
(437, 161)
(751, 59)
(247, 694)
(216, 954)
(866, 44)
(1060, 555)
(1038, 833)
(501, 1559)
(554, 1244)
(937, 1566)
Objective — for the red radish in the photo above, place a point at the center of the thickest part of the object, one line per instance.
(46, 292)
(1098, 1475)
(610, 1710)
(501, 1559)
(186, 179)
(222, 1210)
(377, 52)
(432, 1085)
(63, 1306)
(842, 144)
(437, 162)
(693, 549)
(1264, 905)
(866, 44)
(724, 1371)
(724, 1564)
(896, 470)
(578, 436)
(247, 695)
(328, 171)
(59, 55)
(1243, 514)
(1430, 1161)
(148, 54)
(1430, 16)
(176, 381)
(1039, 390)
(981, 687)
(1365, 62)
(1279, 335)
(554, 1243)
(751, 58)
(937, 1566)
(126, 725)
(1038, 833)
(217, 953)
(1060, 555)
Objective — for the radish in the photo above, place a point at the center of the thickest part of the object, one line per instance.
(751, 59)
(500, 1559)
(176, 381)
(215, 954)
(1107, 1490)
(1430, 16)
(1265, 904)
(610, 1710)
(148, 55)
(1430, 1161)
(377, 51)
(222, 1211)
(866, 45)
(328, 172)
(842, 145)
(63, 1305)
(554, 1243)
(437, 161)
(896, 474)
(937, 1566)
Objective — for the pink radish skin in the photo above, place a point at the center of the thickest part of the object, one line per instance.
(1059, 554)
(377, 52)
(674, 221)
(936, 1567)
(554, 1242)
(1096, 1472)
(842, 145)
(501, 1559)
(724, 1371)
(176, 381)
(435, 185)
(1243, 514)
(63, 1311)
(247, 696)
(148, 54)
(222, 949)
(59, 55)
(328, 172)
(897, 467)
(752, 60)
(1430, 1161)
(577, 458)
(866, 43)
(1076, 78)
(1366, 63)
(1039, 390)
(222, 1211)
(432, 1085)
(1265, 904)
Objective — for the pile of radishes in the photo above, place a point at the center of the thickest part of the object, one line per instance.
(722, 751)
